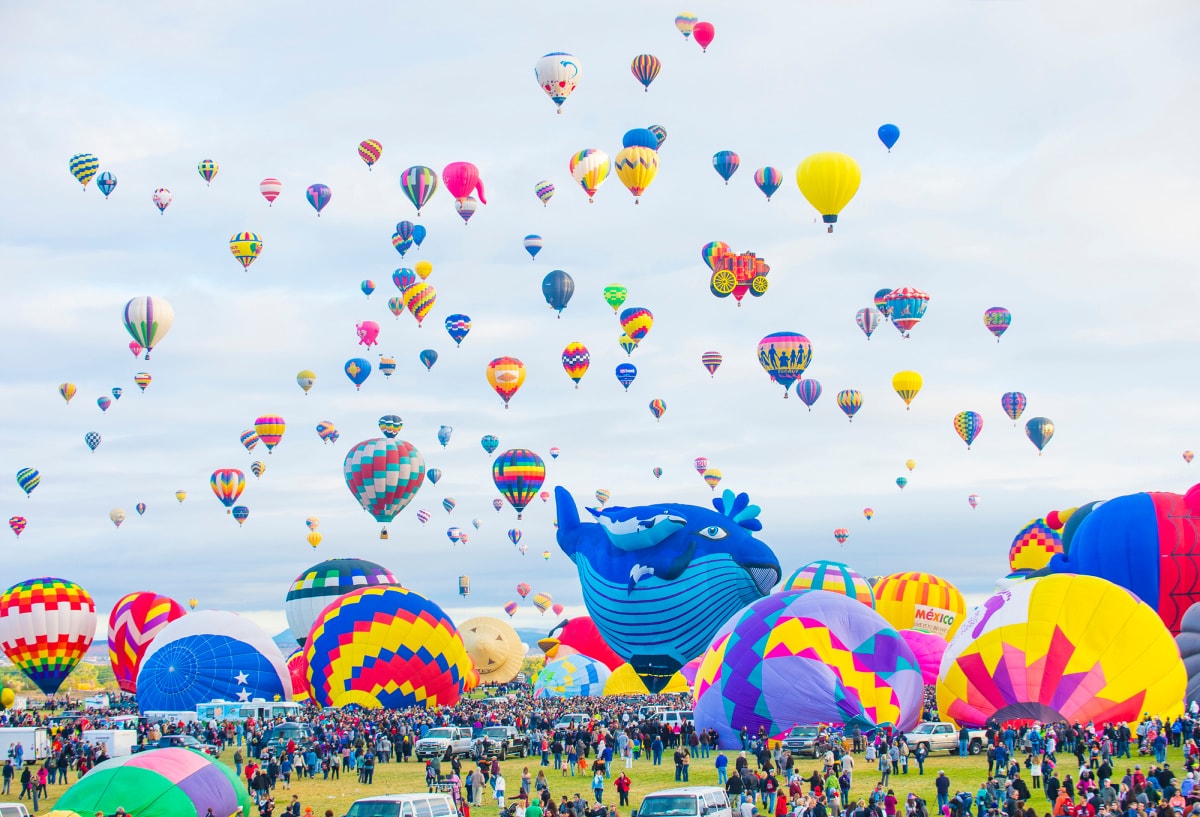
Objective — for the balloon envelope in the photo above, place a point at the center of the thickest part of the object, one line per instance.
(133, 623)
(46, 627)
(313, 590)
(495, 648)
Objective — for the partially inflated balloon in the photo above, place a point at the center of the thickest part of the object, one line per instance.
(133, 623)
(829, 181)
(46, 627)
(920, 601)
(495, 648)
(315, 588)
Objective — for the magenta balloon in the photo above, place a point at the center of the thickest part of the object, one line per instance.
(462, 180)
(928, 649)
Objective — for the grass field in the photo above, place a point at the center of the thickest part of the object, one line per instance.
(394, 778)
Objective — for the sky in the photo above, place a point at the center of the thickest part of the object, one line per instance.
(1046, 164)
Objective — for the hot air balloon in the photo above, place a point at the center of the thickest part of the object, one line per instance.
(557, 288)
(558, 74)
(390, 425)
(318, 196)
(142, 380)
(434, 475)
(162, 199)
(270, 189)
(888, 134)
(104, 402)
(133, 623)
(968, 424)
(106, 182)
(46, 627)
(523, 590)
(545, 497)
(67, 390)
(401, 244)
(357, 369)
(92, 439)
(17, 523)
(404, 278)
(240, 514)
(387, 365)
(117, 392)
(544, 191)
(367, 286)
(575, 361)
(135, 348)
(636, 321)
(701, 465)
(829, 181)
(327, 431)
(455, 535)
(314, 538)
(192, 603)
(518, 474)
(117, 516)
(660, 135)
(712, 477)
(428, 357)
(841, 535)
(369, 150)
(704, 33)
(443, 434)
(658, 408)
(246, 247)
(1187, 456)
(645, 68)
(270, 428)
(419, 298)
(419, 183)
(726, 163)
(910, 464)
(466, 208)
(768, 180)
(533, 245)
(249, 439)
(28, 479)
(505, 375)
(712, 361)
(395, 305)
(602, 496)
(462, 181)
(1013, 403)
(312, 523)
(227, 485)
(850, 401)
(906, 307)
(808, 391)
(554, 452)
(148, 319)
(418, 234)
(511, 608)
(973, 500)
(258, 468)
(658, 472)
(907, 384)
(867, 319)
(685, 22)
(181, 495)
(542, 602)
(423, 516)
(997, 320)
(636, 167)
(589, 168)
(1039, 430)
(305, 378)
(83, 167)
(383, 475)
(514, 536)
(207, 169)
(784, 356)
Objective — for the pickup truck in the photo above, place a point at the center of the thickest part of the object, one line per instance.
(940, 736)
(185, 741)
(501, 741)
(455, 738)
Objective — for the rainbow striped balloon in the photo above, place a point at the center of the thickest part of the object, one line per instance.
(46, 627)
(518, 474)
(270, 428)
(834, 577)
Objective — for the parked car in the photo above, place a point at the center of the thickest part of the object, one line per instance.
(941, 736)
(501, 741)
(453, 738)
(804, 741)
(184, 741)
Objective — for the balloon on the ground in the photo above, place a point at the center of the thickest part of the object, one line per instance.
(385, 647)
(806, 657)
(46, 627)
(1058, 648)
(298, 671)
(495, 648)
(172, 782)
(133, 623)
(834, 577)
(920, 601)
(210, 655)
(313, 590)
(571, 677)
(578, 636)
(1033, 547)
(625, 681)
(928, 649)
(1188, 641)
(640, 566)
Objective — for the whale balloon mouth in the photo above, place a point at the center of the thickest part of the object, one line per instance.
(764, 577)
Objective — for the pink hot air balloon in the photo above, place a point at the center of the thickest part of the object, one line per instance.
(703, 34)
(462, 179)
(928, 649)
(368, 333)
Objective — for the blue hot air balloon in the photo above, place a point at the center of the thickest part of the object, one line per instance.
(457, 326)
(429, 357)
(533, 245)
(444, 433)
(726, 163)
(889, 135)
(558, 287)
(418, 234)
(626, 372)
(640, 138)
(358, 370)
(92, 438)
(107, 183)
(490, 443)
(434, 474)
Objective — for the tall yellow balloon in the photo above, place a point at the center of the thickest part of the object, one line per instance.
(314, 538)
(907, 384)
(423, 268)
(636, 167)
(828, 180)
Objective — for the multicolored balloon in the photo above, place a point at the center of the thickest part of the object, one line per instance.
(104, 402)
(133, 623)
(506, 375)
(841, 535)
(67, 390)
(107, 183)
(83, 167)
(270, 190)
(305, 378)
(834, 577)
(419, 183)
(227, 485)
(1013, 403)
(850, 401)
(142, 380)
(147, 319)
(712, 477)
(867, 319)
(270, 429)
(518, 474)
(658, 408)
(726, 163)
(920, 601)
(968, 424)
(906, 307)
(997, 319)
(17, 524)
(784, 356)
(318, 196)
(589, 168)
(419, 298)
(207, 169)
(369, 150)
(533, 245)
(626, 373)
(614, 296)
(575, 361)
(428, 357)
(544, 191)
(258, 468)
(768, 180)
(636, 321)
(712, 361)
(384, 475)
(162, 199)
(558, 74)
(357, 369)
(28, 479)
(645, 68)
(46, 627)
(809, 391)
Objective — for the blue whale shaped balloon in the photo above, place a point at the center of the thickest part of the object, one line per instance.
(660, 580)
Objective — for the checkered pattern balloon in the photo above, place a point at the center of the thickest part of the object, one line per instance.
(46, 627)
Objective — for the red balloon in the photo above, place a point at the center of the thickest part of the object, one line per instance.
(1053, 522)
(703, 34)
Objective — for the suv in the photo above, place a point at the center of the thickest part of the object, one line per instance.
(941, 736)
(455, 738)
(281, 733)
(804, 740)
(179, 741)
(501, 741)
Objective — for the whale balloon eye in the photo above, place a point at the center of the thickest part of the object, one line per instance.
(713, 532)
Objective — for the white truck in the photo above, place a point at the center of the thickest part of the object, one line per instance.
(117, 742)
(34, 740)
(941, 736)
(456, 739)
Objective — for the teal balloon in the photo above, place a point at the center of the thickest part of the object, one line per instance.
(428, 358)
(490, 443)
(28, 479)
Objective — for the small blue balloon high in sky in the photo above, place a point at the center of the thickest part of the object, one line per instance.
(889, 135)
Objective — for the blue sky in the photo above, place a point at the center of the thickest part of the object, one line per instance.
(1046, 164)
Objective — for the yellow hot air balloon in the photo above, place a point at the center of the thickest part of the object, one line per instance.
(828, 180)
(424, 269)
(193, 603)
(314, 538)
(67, 390)
(636, 167)
(305, 379)
(907, 384)
(910, 464)
(181, 495)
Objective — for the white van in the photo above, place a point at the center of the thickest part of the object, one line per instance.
(403, 805)
(676, 717)
(13, 810)
(692, 801)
